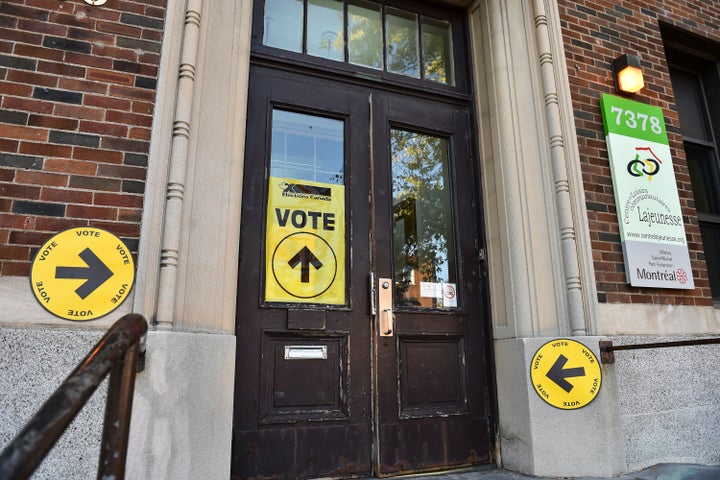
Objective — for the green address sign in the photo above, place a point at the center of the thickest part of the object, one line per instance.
(633, 119)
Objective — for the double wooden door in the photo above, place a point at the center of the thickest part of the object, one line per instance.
(361, 344)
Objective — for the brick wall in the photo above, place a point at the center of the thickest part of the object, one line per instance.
(77, 86)
(595, 32)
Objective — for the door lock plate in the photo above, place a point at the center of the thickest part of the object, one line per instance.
(386, 322)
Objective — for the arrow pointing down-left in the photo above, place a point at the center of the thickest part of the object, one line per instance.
(96, 273)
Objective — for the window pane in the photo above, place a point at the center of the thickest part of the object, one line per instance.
(402, 43)
(704, 178)
(283, 23)
(365, 35)
(306, 147)
(437, 51)
(325, 29)
(711, 243)
(423, 240)
(691, 109)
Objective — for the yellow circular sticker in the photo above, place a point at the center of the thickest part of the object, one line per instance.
(566, 374)
(82, 273)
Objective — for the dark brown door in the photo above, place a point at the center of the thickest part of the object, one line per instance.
(360, 326)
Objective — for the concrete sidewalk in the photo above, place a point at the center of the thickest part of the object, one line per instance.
(657, 472)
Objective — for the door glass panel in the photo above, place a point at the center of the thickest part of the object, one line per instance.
(284, 24)
(325, 29)
(306, 147)
(402, 43)
(423, 241)
(437, 51)
(365, 36)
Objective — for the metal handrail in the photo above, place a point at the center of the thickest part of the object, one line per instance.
(607, 349)
(117, 353)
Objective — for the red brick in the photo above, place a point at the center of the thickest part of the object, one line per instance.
(9, 220)
(121, 171)
(57, 224)
(28, 105)
(98, 155)
(7, 174)
(27, 238)
(107, 102)
(21, 132)
(132, 93)
(88, 60)
(118, 200)
(74, 111)
(70, 166)
(33, 177)
(55, 123)
(61, 69)
(13, 190)
(84, 86)
(20, 36)
(91, 213)
(119, 28)
(31, 51)
(15, 89)
(32, 78)
(45, 149)
(119, 229)
(43, 27)
(7, 145)
(140, 133)
(110, 76)
(146, 108)
(104, 128)
(66, 195)
(14, 252)
(130, 215)
(17, 269)
(128, 118)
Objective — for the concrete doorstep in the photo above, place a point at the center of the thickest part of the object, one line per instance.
(657, 472)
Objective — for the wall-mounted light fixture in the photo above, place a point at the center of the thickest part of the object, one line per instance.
(628, 73)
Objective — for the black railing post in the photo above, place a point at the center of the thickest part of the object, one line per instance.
(117, 352)
(113, 449)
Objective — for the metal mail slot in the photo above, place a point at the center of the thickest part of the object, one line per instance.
(305, 352)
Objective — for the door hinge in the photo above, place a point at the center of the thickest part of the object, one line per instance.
(482, 256)
(373, 295)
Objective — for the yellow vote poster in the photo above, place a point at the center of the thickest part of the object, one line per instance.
(305, 242)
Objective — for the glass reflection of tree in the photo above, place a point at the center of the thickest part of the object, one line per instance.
(421, 212)
(402, 45)
(365, 37)
(435, 55)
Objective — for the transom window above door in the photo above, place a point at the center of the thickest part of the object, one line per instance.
(363, 33)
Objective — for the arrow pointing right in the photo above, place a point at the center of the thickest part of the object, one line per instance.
(558, 374)
(96, 273)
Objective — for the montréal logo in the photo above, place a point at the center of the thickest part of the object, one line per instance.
(641, 167)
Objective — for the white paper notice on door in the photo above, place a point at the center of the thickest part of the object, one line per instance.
(431, 290)
(449, 294)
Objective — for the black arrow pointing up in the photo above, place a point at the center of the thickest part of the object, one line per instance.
(558, 375)
(96, 273)
(305, 258)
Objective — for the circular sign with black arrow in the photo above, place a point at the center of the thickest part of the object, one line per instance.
(82, 273)
(566, 374)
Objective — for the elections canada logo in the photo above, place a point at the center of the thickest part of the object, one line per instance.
(644, 167)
